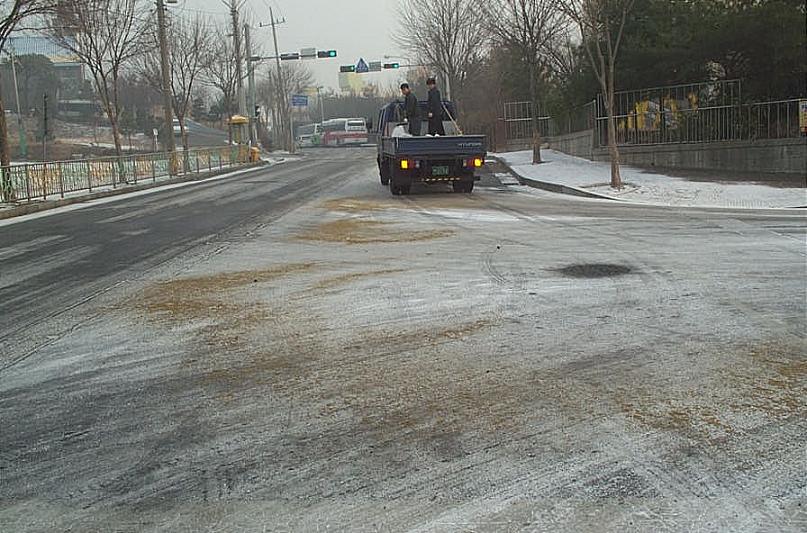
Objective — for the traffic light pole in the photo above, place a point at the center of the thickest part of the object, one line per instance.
(285, 110)
(253, 141)
(321, 105)
(170, 145)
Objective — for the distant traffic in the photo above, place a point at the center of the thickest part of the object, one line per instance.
(334, 132)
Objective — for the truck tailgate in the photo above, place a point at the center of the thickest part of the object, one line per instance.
(459, 145)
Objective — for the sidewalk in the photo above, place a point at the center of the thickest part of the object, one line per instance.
(8, 211)
(593, 177)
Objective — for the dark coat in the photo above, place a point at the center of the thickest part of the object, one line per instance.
(435, 107)
(411, 107)
(412, 113)
(435, 102)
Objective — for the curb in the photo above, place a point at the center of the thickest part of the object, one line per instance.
(555, 187)
(36, 207)
(576, 191)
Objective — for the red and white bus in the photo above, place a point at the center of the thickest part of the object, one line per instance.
(344, 132)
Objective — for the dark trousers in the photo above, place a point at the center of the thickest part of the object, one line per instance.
(436, 126)
(414, 126)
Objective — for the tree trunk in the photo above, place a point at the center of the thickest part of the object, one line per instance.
(117, 137)
(113, 122)
(536, 125)
(6, 191)
(616, 177)
(185, 143)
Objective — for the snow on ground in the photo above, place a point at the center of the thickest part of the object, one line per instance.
(650, 187)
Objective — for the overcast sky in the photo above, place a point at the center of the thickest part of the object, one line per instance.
(355, 28)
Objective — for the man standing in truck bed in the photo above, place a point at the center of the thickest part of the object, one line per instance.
(411, 109)
(435, 108)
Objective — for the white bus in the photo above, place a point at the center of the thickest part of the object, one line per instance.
(344, 132)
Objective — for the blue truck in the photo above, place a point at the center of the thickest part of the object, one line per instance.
(404, 160)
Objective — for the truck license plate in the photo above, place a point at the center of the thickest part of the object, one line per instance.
(439, 171)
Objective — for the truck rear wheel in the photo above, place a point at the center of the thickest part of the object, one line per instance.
(398, 189)
(384, 172)
(463, 186)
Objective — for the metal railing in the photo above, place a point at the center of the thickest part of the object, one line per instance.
(518, 122)
(660, 123)
(32, 181)
(580, 118)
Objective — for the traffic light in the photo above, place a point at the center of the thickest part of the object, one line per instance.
(325, 54)
(392, 65)
(289, 57)
(347, 68)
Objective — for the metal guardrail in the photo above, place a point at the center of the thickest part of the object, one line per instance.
(657, 122)
(518, 122)
(705, 112)
(32, 181)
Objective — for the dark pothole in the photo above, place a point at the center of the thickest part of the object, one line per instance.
(593, 270)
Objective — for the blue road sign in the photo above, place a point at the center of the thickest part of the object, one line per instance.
(299, 100)
(362, 67)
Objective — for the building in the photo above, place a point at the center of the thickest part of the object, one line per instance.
(71, 71)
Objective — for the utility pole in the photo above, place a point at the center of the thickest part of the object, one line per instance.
(45, 128)
(250, 88)
(239, 68)
(321, 105)
(20, 126)
(168, 99)
(239, 59)
(285, 113)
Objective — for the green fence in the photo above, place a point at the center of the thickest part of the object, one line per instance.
(34, 181)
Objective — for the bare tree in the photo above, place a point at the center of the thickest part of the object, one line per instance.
(530, 28)
(13, 14)
(220, 72)
(448, 35)
(601, 24)
(296, 77)
(189, 50)
(106, 35)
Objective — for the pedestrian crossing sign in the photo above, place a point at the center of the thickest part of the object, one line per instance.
(362, 67)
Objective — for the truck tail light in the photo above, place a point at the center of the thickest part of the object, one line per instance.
(405, 165)
(478, 162)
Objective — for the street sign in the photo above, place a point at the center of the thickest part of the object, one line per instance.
(308, 53)
(375, 66)
(361, 67)
(299, 100)
(289, 57)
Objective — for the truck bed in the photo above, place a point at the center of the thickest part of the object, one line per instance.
(453, 145)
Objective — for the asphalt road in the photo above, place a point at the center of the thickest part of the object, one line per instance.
(295, 350)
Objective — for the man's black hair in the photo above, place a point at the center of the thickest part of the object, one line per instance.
(431, 81)
(404, 86)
